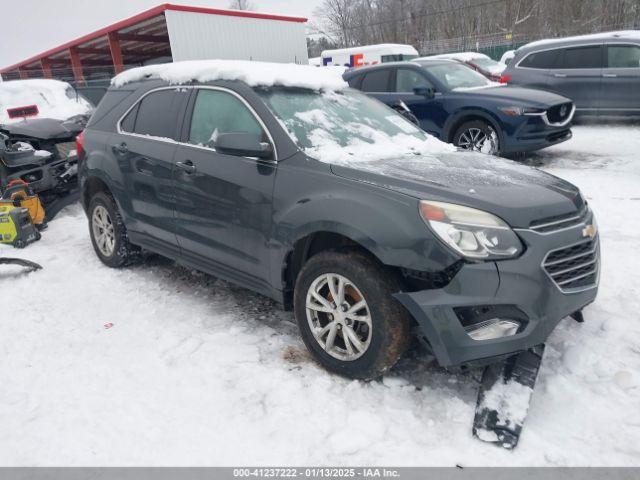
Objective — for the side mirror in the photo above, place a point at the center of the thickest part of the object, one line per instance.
(424, 91)
(243, 145)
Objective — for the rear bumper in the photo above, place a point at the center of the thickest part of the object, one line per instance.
(521, 284)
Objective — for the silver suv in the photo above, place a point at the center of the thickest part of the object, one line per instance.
(600, 72)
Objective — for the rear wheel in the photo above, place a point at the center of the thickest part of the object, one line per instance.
(347, 316)
(478, 136)
(108, 233)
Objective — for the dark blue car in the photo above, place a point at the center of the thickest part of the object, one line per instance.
(460, 106)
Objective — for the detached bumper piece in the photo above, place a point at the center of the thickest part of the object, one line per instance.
(30, 266)
(504, 396)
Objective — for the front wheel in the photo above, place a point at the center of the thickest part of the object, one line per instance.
(477, 136)
(347, 316)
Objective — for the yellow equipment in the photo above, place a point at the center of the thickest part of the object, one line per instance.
(16, 227)
(18, 194)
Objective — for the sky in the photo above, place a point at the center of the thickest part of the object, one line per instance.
(53, 22)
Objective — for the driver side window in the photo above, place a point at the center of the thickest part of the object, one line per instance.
(408, 79)
(217, 112)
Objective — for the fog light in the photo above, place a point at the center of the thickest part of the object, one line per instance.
(494, 328)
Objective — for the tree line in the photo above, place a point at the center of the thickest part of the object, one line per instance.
(440, 25)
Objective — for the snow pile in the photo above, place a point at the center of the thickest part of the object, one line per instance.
(510, 400)
(263, 74)
(54, 99)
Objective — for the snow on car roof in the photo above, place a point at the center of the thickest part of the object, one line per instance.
(635, 34)
(50, 96)
(253, 73)
(463, 56)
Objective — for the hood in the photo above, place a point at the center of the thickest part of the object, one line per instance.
(516, 193)
(527, 96)
(46, 128)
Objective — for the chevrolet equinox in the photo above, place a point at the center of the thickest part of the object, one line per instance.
(283, 180)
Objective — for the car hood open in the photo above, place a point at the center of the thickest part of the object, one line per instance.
(517, 193)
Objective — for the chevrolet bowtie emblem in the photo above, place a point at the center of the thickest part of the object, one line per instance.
(589, 231)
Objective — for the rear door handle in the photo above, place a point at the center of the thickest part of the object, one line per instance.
(187, 166)
(609, 75)
(121, 149)
(560, 75)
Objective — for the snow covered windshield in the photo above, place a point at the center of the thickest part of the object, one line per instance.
(456, 76)
(347, 126)
(53, 99)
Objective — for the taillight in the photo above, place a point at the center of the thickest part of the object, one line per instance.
(505, 78)
(80, 146)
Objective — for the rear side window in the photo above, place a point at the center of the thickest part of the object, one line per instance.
(408, 79)
(216, 112)
(623, 56)
(542, 60)
(155, 115)
(376, 81)
(129, 121)
(582, 57)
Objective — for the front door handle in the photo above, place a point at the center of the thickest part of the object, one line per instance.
(187, 166)
(609, 75)
(560, 75)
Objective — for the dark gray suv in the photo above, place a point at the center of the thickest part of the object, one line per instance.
(600, 73)
(337, 207)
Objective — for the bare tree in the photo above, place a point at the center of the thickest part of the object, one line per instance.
(241, 5)
(433, 26)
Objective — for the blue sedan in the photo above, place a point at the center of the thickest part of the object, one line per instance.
(460, 106)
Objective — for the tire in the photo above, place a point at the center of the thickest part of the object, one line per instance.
(117, 252)
(383, 339)
(470, 135)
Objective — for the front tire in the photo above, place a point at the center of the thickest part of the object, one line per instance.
(347, 316)
(477, 136)
(108, 232)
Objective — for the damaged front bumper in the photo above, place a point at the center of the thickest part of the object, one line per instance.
(557, 275)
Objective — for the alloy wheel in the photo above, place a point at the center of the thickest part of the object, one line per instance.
(339, 317)
(479, 140)
(103, 230)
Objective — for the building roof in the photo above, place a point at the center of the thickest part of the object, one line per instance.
(141, 37)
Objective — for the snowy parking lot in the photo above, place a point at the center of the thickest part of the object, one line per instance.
(158, 365)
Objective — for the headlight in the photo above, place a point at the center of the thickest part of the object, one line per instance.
(472, 233)
(516, 111)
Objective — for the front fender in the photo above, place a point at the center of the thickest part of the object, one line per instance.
(384, 222)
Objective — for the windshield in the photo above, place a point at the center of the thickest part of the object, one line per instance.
(51, 98)
(456, 76)
(346, 126)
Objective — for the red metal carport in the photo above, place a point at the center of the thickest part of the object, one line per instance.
(125, 44)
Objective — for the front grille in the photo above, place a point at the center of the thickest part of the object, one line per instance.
(559, 113)
(574, 267)
(551, 224)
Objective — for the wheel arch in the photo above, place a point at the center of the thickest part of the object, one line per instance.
(92, 185)
(312, 243)
(469, 115)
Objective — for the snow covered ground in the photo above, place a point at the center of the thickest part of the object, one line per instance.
(157, 365)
